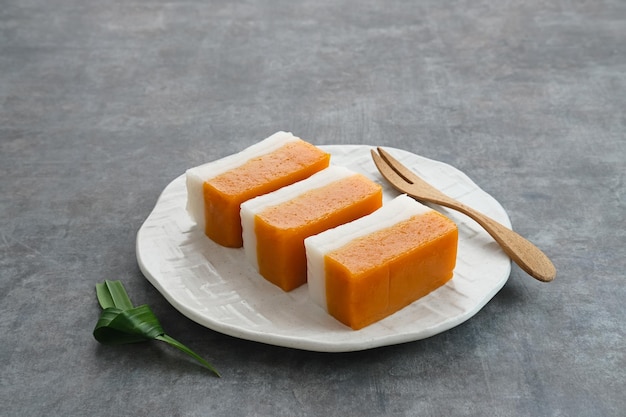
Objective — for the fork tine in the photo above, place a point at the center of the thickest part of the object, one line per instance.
(396, 180)
(397, 166)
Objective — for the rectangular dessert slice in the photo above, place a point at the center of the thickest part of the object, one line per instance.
(276, 224)
(216, 190)
(368, 269)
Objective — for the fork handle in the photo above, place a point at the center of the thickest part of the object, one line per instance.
(525, 254)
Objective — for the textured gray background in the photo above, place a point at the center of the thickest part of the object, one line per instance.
(103, 103)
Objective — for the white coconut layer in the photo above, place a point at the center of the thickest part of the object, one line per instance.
(250, 208)
(395, 211)
(197, 176)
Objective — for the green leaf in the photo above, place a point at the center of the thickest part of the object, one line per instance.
(113, 294)
(121, 323)
(108, 335)
(127, 326)
(104, 296)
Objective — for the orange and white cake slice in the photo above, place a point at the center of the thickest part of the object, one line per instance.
(276, 224)
(216, 190)
(366, 270)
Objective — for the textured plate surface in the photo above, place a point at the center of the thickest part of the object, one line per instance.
(215, 287)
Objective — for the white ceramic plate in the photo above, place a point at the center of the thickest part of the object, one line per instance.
(215, 286)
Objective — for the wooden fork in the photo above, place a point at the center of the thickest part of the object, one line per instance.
(530, 258)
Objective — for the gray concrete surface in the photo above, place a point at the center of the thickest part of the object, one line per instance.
(103, 103)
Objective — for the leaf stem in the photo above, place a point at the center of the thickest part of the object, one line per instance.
(173, 342)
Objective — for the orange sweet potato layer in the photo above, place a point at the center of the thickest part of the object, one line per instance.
(379, 274)
(281, 229)
(224, 194)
